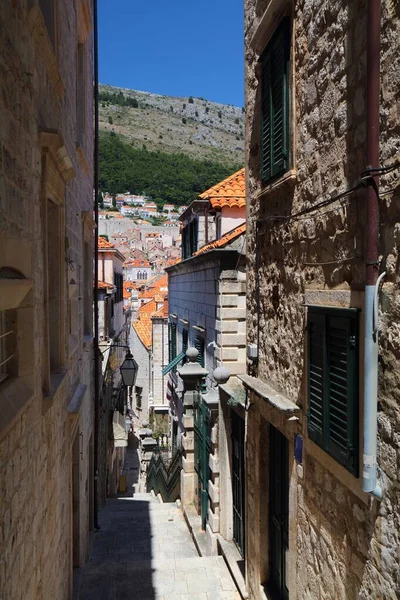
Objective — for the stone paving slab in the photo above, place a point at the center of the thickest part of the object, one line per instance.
(144, 551)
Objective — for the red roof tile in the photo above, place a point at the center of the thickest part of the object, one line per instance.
(229, 192)
(224, 240)
(104, 244)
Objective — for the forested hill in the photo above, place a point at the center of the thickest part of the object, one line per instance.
(165, 178)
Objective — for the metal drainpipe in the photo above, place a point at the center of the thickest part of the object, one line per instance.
(96, 266)
(372, 254)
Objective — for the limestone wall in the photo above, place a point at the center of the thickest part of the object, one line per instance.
(41, 534)
(160, 359)
(143, 358)
(344, 545)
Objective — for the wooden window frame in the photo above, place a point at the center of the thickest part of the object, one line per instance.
(323, 352)
(275, 65)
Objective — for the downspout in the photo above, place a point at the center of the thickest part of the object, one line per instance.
(370, 484)
(96, 266)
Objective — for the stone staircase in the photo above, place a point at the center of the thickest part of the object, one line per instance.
(144, 551)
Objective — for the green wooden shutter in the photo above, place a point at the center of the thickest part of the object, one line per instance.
(280, 99)
(173, 341)
(342, 438)
(266, 121)
(316, 377)
(275, 103)
(199, 345)
(185, 334)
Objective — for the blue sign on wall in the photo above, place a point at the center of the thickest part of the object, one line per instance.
(298, 448)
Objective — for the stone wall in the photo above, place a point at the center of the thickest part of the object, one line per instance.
(159, 359)
(143, 358)
(345, 545)
(112, 226)
(41, 535)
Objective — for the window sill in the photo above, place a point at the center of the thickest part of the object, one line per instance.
(266, 392)
(43, 43)
(288, 179)
(354, 484)
(14, 395)
(73, 344)
(56, 383)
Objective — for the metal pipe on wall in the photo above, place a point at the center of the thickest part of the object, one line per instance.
(370, 484)
(96, 266)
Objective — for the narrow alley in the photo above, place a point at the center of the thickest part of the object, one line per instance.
(144, 551)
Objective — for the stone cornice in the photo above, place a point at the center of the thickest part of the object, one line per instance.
(268, 22)
(52, 142)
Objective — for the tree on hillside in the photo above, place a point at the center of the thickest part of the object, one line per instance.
(190, 100)
(114, 201)
(110, 119)
(100, 199)
(165, 178)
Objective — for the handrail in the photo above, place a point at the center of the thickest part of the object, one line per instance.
(164, 476)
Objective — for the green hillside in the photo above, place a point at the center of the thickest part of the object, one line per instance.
(165, 178)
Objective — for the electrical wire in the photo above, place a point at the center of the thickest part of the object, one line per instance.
(366, 175)
(315, 207)
(383, 170)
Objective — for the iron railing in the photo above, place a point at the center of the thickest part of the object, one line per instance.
(164, 475)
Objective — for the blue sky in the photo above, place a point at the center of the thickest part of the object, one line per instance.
(175, 47)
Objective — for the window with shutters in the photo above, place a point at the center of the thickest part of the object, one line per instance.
(189, 239)
(333, 383)
(185, 337)
(275, 104)
(200, 346)
(172, 341)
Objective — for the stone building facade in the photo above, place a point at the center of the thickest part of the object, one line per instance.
(206, 303)
(320, 534)
(46, 255)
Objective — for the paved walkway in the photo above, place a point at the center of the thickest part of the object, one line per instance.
(144, 551)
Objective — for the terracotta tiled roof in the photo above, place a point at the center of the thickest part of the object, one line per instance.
(143, 328)
(163, 311)
(149, 308)
(103, 285)
(104, 244)
(137, 263)
(229, 192)
(224, 240)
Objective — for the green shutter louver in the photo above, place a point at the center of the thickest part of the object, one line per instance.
(185, 336)
(332, 383)
(171, 341)
(275, 103)
(266, 117)
(341, 358)
(316, 342)
(199, 345)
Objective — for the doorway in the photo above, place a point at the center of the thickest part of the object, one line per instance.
(238, 482)
(75, 503)
(278, 514)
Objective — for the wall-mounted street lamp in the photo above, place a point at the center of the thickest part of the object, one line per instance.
(129, 370)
